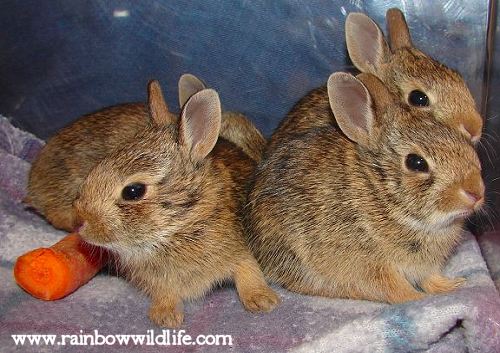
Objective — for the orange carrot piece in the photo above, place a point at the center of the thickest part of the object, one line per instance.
(53, 273)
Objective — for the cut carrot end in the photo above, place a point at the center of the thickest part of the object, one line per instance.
(53, 273)
(43, 274)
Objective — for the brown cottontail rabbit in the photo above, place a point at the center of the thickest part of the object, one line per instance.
(370, 209)
(169, 203)
(68, 156)
(416, 79)
(235, 127)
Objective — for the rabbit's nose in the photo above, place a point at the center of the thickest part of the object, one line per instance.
(79, 227)
(472, 127)
(473, 196)
(475, 138)
(84, 216)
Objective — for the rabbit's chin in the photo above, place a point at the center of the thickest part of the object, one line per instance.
(134, 254)
(443, 221)
(96, 241)
(107, 240)
(439, 222)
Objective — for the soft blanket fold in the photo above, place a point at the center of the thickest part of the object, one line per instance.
(467, 320)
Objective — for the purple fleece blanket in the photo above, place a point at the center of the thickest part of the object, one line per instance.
(467, 320)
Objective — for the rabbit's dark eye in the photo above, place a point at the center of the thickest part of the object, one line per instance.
(418, 99)
(133, 192)
(416, 163)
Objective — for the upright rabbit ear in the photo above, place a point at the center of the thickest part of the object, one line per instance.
(399, 34)
(365, 43)
(189, 85)
(200, 123)
(158, 109)
(352, 106)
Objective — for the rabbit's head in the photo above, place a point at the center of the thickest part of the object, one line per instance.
(155, 184)
(423, 168)
(419, 81)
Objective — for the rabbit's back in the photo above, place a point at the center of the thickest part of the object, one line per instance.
(311, 111)
(290, 203)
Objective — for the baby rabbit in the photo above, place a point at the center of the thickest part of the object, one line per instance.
(235, 126)
(418, 81)
(168, 203)
(369, 210)
(67, 158)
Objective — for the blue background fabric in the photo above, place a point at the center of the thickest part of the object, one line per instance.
(67, 58)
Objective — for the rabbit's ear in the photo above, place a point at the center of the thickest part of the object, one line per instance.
(365, 43)
(381, 97)
(158, 109)
(352, 106)
(188, 85)
(399, 34)
(200, 123)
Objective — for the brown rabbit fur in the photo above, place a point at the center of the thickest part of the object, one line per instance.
(339, 212)
(403, 69)
(183, 235)
(68, 156)
(235, 126)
